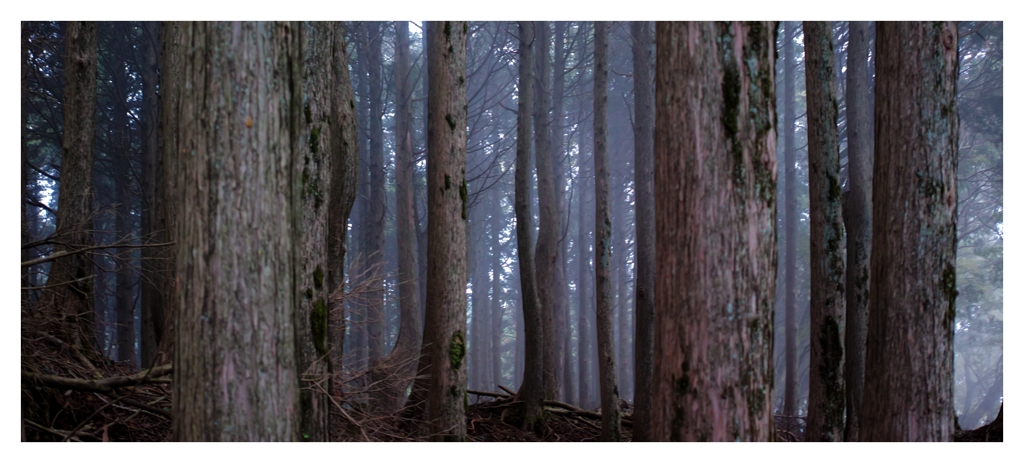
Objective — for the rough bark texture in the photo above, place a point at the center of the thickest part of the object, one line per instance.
(399, 368)
(344, 170)
(153, 221)
(715, 213)
(172, 66)
(908, 380)
(235, 376)
(791, 401)
(549, 224)
(74, 205)
(446, 211)
(643, 133)
(826, 399)
(857, 215)
(312, 290)
(610, 414)
(531, 393)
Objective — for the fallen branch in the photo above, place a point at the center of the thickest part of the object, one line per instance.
(98, 385)
(506, 390)
(59, 433)
(59, 254)
(489, 394)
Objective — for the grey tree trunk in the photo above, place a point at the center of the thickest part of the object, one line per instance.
(643, 133)
(715, 213)
(610, 414)
(374, 221)
(563, 343)
(791, 400)
(584, 290)
(826, 398)
(531, 392)
(857, 215)
(236, 376)
(908, 379)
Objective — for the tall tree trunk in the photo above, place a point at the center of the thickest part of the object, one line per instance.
(715, 190)
(643, 133)
(531, 393)
(26, 32)
(344, 173)
(548, 228)
(312, 291)
(583, 290)
(172, 68)
(74, 206)
(235, 364)
(610, 419)
(374, 221)
(791, 400)
(446, 254)
(908, 379)
(563, 331)
(826, 398)
(400, 365)
(857, 215)
(497, 223)
(153, 221)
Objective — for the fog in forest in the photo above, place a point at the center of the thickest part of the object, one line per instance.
(391, 110)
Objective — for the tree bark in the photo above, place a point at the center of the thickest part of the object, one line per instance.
(584, 290)
(826, 398)
(446, 253)
(235, 362)
(374, 221)
(857, 215)
(531, 392)
(908, 379)
(563, 330)
(74, 205)
(172, 68)
(610, 419)
(715, 213)
(153, 221)
(791, 400)
(643, 133)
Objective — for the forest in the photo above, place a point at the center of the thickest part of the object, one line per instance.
(557, 231)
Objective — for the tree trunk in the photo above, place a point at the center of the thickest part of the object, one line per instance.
(399, 368)
(312, 291)
(715, 190)
(172, 68)
(374, 221)
(610, 426)
(153, 221)
(908, 379)
(446, 253)
(584, 290)
(497, 306)
(344, 171)
(531, 393)
(643, 133)
(791, 400)
(826, 397)
(74, 205)
(857, 215)
(563, 343)
(235, 364)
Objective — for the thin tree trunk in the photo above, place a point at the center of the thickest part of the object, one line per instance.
(563, 329)
(715, 200)
(857, 215)
(374, 220)
(74, 205)
(908, 379)
(610, 419)
(235, 364)
(153, 221)
(531, 393)
(583, 291)
(497, 223)
(826, 398)
(643, 133)
(447, 203)
(792, 387)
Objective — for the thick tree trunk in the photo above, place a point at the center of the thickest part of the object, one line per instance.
(153, 221)
(344, 171)
(857, 215)
(235, 375)
(531, 393)
(313, 207)
(826, 397)
(791, 400)
(447, 204)
(715, 190)
(74, 298)
(610, 419)
(172, 68)
(643, 133)
(908, 379)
